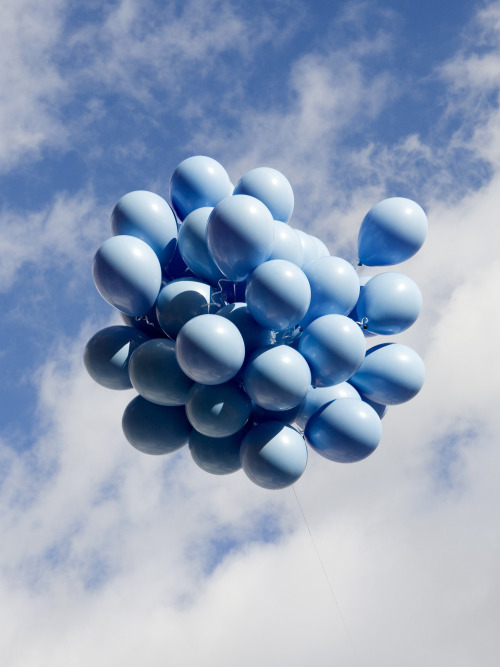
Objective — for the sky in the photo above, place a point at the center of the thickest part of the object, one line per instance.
(113, 557)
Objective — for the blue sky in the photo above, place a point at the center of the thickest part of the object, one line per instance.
(112, 557)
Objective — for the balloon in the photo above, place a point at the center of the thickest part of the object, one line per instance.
(389, 303)
(155, 429)
(354, 312)
(334, 347)
(390, 374)
(345, 431)
(218, 411)
(278, 294)
(196, 182)
(378, 407)
(177, 267)
(319, 397)
(107, 355)
(148, 323)
(273, 455)
(254, 336)
(310, 249)
(334, 287)
(181, 300)
(156, 375)
(218, 456)
(277, 378)
(193, 246)
(271, 188)
(148, 217)
(322, 249)
(391, 232)
(287, 244)
(127, 274)
(262, 415)
(240, 235)
(210, 349)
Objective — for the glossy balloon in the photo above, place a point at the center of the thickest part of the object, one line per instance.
(378, 407)
(310, 249)
(270, 187)
(218, 456)
(287, 244)
(148, 323)
(193, 246)
(181, 300)
(254, 335)
(318, 398)
(354, 312)
(322, 249)
(155, 429)
(218, 411)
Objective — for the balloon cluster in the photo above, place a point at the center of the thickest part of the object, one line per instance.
(243, 337)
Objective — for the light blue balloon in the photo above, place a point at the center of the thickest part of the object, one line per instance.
(354, 312)
(240, 235)
(389, 303)
(155, 429)
(310, 249)
(156, 375)
(334, 347)
(287, 244)
(390, 374)
(218, 411)
(391, 232)
(149, 217)
(218, 456)
(347, 430)
(334, 287)
(181, 300)
(193, 246)
(196, 182)
(318, 398)
(278, 294)
(254, 336)
(107, 354)
(273, 455)
(277, 378)
(270, 187)
(127, 274)
(210, 349)
(322, 249)
(378, 407)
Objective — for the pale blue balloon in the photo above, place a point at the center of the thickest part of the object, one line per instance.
(278, 294)
(181, 300)
(277, 378)
(334, 347)
(287, 244)
(127, 274)
(389, 303)
(240, 235)
(210, 349)
(390, 374)
(322, 249)
(271, 187)
(318, 398)
(354, 312)
(193, 246)
(156, 375)
(149, 217)
(218, 411)
(310, 249)
(254, 335)
(218, 456)
(196, 182)
(391, 232)
(273, 455)
(107, 355)
(155, 429)
(378, 407)
(346, 430)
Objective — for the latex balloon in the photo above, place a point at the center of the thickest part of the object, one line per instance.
(271, 187)
(254, 336)
(378, 407)
(240, 235)
(218, 456)
(196, 182)
(127, 274)
(156, 375)
(334, 347)
(322, 249)
(218, 411)
(107, 355)
(310, 249)
(177, 267)
(273, 455)
(148, 323)
(391, 232)
(334, 287)
(346, 430)
(318, 398)
(181, 300)
(287, 244)
(148, 217)
(389, 303)
(262, 415)
(390, 374)
(354, 315)
(277, 378)
(193, 246)
(210, 349)
(155, 429)
(278, 294)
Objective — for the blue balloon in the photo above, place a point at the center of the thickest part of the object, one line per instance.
(390, 374)
(346, 430)
(389, 303)
(177, 267)
(218, 456)
(278, 294)
(156, 375)
(210, 349)
(318, 398)
(193, 246)
(334, 287)
(310, 249)
(262, 415)
(391, 232)
(196, 182)
(148, 217)
(270, 187)
(277, 378)
(181, 300)
(127, 274)
(354, 312)
(147, 323)
(273, 455)
(334, 347)
(240, 235)
(287, 244)
(218, 411)
(378, 407)
(155, 429)
(107, 354)
(254, 336)
(322, 249)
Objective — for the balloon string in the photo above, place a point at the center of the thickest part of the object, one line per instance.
(327, 579)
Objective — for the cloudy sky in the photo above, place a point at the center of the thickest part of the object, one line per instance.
(112, 557)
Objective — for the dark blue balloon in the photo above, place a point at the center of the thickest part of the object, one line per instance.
(155, 429)
(218, 456)
(218, 411)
